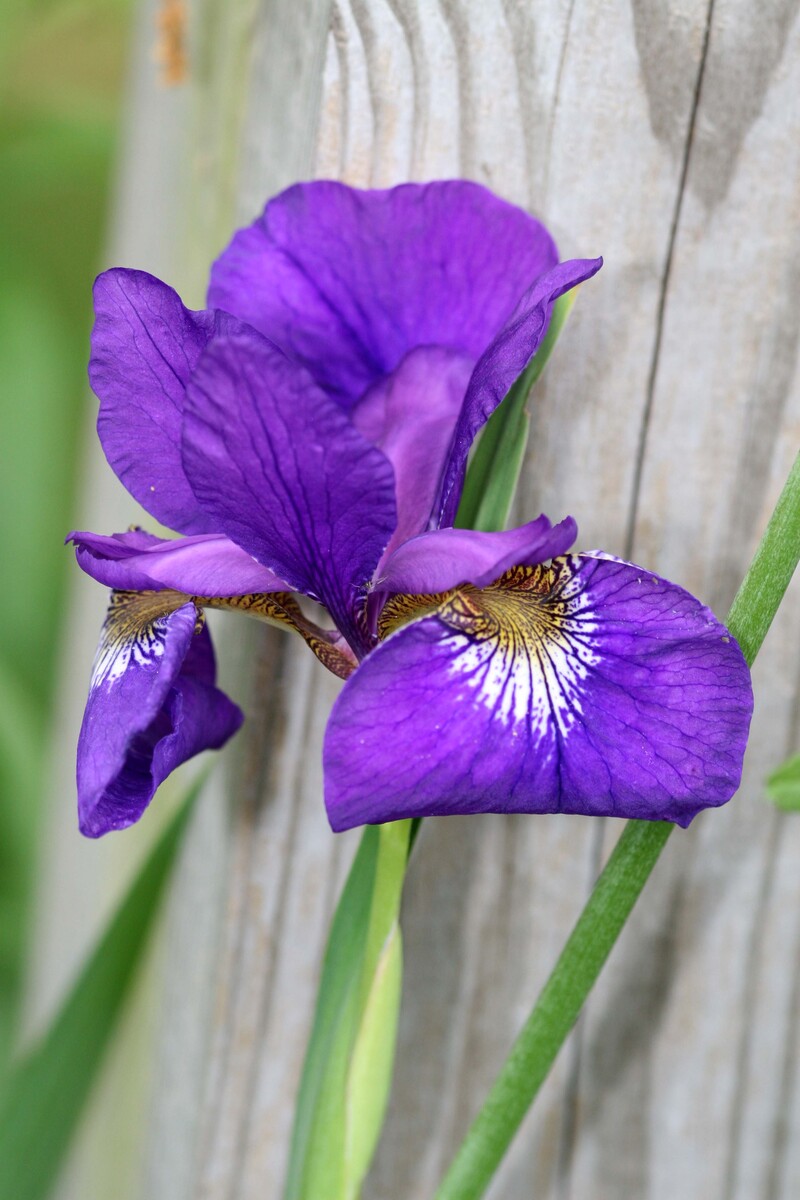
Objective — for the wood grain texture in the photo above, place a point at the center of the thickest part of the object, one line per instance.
(665, 136)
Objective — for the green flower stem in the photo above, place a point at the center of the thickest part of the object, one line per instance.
(614, 895)
(770, 572)
(556, 1010)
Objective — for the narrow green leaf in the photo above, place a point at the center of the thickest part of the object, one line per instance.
(42, 1100)
(614, 895)
(496, 464)
(783, 785)
(329, 1155)
(345, 951)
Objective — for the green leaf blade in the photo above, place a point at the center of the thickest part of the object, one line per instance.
(45, 1093)
(345, 949)
(360, 985)
(372, 1064)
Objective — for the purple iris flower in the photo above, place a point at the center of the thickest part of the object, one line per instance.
(308, 434)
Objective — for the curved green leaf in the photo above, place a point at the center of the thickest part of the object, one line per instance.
(348, 1067)
(42, 1100)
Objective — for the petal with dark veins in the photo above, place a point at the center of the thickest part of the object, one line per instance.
(282, 471)
(152, 705)
(145, 345)
(347, 282)
(591, 686)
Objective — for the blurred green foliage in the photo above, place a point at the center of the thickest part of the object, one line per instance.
(43, 1096)
(783, 785)
(61, 71)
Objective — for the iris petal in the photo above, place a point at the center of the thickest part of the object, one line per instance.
(282, 471)
(145, 344)
(410, 416)
(212, 572)
(590, 686)
(205, 565)
(444, 558)
(348, 281)
(152, 705)
(501, 364)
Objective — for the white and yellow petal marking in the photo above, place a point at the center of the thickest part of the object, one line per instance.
(136, 625)
(135, 631)
(521, 647)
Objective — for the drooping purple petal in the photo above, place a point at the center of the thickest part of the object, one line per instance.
(152, 705)
(411, 416)
(348, 281)
(279, 467)
(444, 558)
(502, 363)
(593, 687)
(205, 565)
(145, 345)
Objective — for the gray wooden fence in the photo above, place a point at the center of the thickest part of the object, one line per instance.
(664, 134)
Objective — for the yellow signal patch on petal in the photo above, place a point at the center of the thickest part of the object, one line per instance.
(135, 626)
(522, 645)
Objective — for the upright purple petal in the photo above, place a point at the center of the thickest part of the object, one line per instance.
(591, 687)
(411, 416)
(281, 470)
(152, 705)
(445, 558)
(502, 363)
(348, 281)
(205, 565)
(145, 345)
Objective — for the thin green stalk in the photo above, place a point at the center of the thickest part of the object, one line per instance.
(556, 1010)
(770, 572)
(614, 895)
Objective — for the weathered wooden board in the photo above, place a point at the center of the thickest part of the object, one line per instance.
(665, 136)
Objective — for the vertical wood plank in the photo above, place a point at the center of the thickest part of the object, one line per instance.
(704, 1046)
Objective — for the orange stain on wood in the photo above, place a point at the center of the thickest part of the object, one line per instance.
(170, 51)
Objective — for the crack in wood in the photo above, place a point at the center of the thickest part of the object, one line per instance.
(630, 533)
